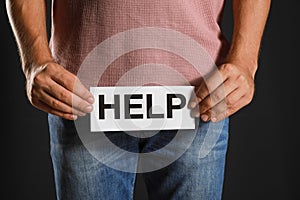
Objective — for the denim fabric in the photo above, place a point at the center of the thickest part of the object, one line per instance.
(78, 175)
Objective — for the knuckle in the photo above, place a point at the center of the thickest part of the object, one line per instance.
(34, 101)
(241, 78)
(52, 68)
(63, 96)
(216, 96)
(68, 79)
(54, 103)
(34, 93)
(248, 99)
(38, 79)
(228, 69)
(203, 107)
(230, 100)
(46, 87)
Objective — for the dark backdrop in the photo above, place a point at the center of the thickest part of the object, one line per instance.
(262, 155)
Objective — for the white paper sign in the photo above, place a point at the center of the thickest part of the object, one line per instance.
(141, 108)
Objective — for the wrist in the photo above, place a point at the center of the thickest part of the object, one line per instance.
(32, 67)
(249, 64)
(35, 54)
(243, 53)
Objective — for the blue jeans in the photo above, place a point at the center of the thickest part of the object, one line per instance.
(78, 175)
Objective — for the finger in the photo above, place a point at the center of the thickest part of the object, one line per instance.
(57, 105)
(231, 99)
(217, 109)
(193, 102)
(44, 107)
(214, 111)
(195, 112)
(73, 84)
(211, 113)
(207, 86)
(217, 95)
(232, 109)
(220, 109)
(80, 90)
(68, 97)
(234, 97)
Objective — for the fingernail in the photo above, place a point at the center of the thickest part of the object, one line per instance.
(89, 108)
(214, 119)
(90, 100)
(74, 117)
(204, 118)
(196, 114)
(82, 114)
(193, 104)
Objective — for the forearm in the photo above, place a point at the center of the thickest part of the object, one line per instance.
(28, 21)
(249, 17)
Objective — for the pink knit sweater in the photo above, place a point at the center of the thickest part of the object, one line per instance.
(78, 26)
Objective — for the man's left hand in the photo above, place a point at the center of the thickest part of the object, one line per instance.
(223, 93)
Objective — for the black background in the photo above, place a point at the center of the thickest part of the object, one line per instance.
(262, 159)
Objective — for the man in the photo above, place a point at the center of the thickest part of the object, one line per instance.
(79, 26)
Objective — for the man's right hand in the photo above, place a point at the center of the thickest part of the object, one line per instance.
(50, 88)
